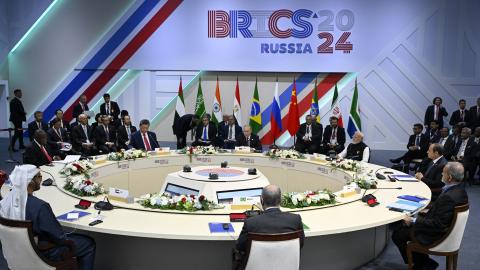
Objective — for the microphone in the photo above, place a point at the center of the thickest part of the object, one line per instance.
(49, 181)
(371, 200)
(379, 175)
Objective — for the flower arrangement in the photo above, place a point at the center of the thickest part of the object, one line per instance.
(364, 182)
(130, 154)
(76, 168)
(279, 153)
(345, 164)
(83, 187)
(198, 150)
(307, 199)
(189, 203)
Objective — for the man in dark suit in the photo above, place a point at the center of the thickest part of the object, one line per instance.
(144, 139)
(105, 136)
(432, 226)
(433, 132)
(180, 128)
(435, 112)
(56, 137)
(206, 133)
(475, 115)
(82, 139)
(417, 146)
(17, 116)
(333, 137)
(222, 124)
(230, 134)
(308, 136)
(124, 132)
(81, 107)
(39, 153)
(37, 123)
(432, 174)
(63, 124)
(111, 109)
(249, 139)
(462, 115)
(465, 153)
(273, 220)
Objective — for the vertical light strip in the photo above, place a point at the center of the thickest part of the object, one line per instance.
(44, 14)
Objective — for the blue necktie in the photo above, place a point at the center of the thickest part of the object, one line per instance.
(417, 141)
(204, 133)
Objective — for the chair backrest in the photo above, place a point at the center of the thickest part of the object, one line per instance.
(18, 246)
(452, 240)
(273, 251)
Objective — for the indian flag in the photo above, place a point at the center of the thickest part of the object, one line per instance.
(217, 106)
(354, 122)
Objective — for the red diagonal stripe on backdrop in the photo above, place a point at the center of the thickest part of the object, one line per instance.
(303, 106)
(150, 27)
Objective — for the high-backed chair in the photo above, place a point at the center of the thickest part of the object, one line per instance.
(273, 251)
(21, 251)
(449, 245)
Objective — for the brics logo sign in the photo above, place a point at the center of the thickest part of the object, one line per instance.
(282, 24)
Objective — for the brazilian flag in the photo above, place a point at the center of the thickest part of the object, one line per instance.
(255, 112)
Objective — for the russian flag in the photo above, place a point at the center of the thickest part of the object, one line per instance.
(276, 116)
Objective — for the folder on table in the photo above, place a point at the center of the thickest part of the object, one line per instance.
(217, 227)
(68, 216)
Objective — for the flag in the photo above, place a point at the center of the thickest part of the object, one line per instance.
(199, 103)
(237, 108)
(275, 116)
(217, 106)
(255, 112)
(293, 123)
(179, 107)
(335, 109)
(354, 123)
(314, 109)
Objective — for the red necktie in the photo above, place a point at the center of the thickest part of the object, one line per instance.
(145, 141)
(46, 154)
(334, 133)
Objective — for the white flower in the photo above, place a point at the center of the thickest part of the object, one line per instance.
(309, 200)
(163, 201)
(153, 201)
(88, 189)
(294, 200)
(197, 205)
(73, 168)
(323, 196)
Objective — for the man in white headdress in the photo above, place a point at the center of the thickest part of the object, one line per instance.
(20, 204)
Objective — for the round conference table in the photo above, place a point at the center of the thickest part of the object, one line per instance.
(341, 236)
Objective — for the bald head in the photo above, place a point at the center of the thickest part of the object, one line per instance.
(453, 172)
(271, 196)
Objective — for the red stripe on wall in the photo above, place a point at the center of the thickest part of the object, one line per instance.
(157, 20)
(303, 106)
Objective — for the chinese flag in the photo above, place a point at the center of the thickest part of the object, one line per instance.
(293, 123)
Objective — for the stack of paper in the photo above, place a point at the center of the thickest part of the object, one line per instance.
(405, 206)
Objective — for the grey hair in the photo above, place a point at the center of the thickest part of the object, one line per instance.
(271, 196)
(455, 170)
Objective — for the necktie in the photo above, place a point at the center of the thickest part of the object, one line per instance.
(86, 133)
(46, 154)
(107, 134)
(108, 108)
(461, 116)
(39, 125)
(334, 133)
(308, 131)
(145, 141)
(429, 167)
(59, 134)
(417, 141)
(248, 141)
(230, 133)
(83, 107)
(204, 135)
(128, 131)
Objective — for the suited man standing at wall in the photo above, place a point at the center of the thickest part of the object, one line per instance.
(17, 117)
(435, 112)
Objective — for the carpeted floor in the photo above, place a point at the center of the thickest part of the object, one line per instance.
(390, 258)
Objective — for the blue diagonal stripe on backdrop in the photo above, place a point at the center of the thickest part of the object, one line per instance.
(302, 81)
(105, 51)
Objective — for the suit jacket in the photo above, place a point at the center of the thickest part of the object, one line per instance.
(66, 125)
(220, 129)
(77, 110)
(183, 125)
(79, 137)
(33, 126)
(469, 154)
(317, 132)
(225, 130)
(53, 138)
(212, 132)
(474, 117)
(450, 147)
(254, 142)
(432, 176)
(114, 109)
(45, 224)
(328, 133)
(137, 140)
(435, 223)
(17, 112)
(423, 142)
(433, 135)
(429, 115)
(101, 136)
(455, 118)
(35, 156)
(122, 136)
(271, 221)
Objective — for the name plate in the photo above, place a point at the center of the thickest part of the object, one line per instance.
(204, 159)
(247, 160)
(123, 166)
(323, 170)
(289, 164)
(94, 174)
(161, 161)
(120, 195)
